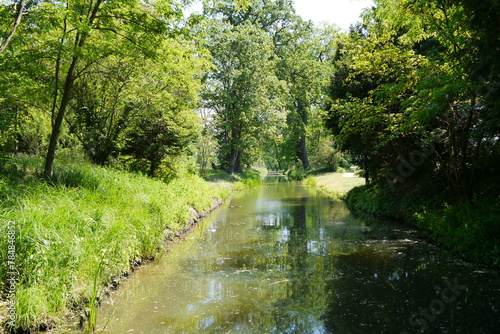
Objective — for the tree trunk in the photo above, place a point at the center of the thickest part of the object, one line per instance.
(303, 152)
(233, 161)
(80, 39)
(56, 126)
(302, 149)
(237, 165)
(234, 165)
(154, 164)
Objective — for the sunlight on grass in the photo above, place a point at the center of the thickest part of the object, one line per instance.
(65, 224)
(336, 184)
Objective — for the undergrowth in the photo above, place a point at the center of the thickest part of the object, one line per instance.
(470, 230)
(63, 227)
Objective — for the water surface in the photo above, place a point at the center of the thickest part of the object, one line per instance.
(286, 259)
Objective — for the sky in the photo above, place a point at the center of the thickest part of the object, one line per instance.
(341, 12)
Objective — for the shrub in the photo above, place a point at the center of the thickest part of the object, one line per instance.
(297, 171)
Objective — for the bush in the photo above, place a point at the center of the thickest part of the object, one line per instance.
(250, 178)
(470, 229)
(309, 181)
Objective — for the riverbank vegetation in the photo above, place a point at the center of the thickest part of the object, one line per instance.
(85, 217)
(414, 100)
(248, 178)
(112, 111)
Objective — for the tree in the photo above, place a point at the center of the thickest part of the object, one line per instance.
(88, 33)
(163, 95)
(207, 144)
(300, 51)
(243, 92)
(102, 104)
(413, 75)
(364, 118)
(153, 139)
(304, 52)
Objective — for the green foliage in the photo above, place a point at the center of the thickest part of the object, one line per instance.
(377, 201)
(244, 92)
(213, 175)
(309, 181)
(303, 52)
(65, 228)
(470, 230)
(250, 178)
(291, 121)
(153, 141)
(297, 171)
(94, 65)
(206, 149)
(403, 80)
(91, 325)
(411, 97)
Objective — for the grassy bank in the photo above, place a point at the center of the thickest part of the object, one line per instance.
(250, 178)
(335, 184)
(84, 227)
(470, 230)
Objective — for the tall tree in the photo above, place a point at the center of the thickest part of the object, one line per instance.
(300, 51)
(413, 75)
(304, 53)
(243, 91)
(88, 32)
(164, 95)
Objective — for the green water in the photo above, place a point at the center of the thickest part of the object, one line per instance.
(286, 259)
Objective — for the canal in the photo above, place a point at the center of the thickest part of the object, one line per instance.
(286, 259)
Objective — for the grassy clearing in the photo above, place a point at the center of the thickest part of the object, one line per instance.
(88, 224)
(334, 184)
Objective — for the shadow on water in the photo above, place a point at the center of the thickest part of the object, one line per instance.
(286, 259)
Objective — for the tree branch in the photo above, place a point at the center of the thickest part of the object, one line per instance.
(20, 14)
